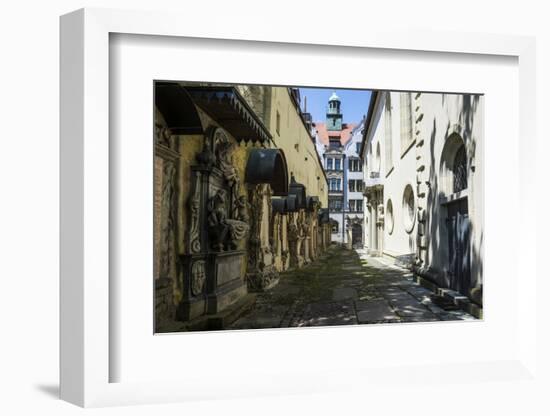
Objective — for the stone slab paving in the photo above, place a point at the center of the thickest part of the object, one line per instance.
(345, 287)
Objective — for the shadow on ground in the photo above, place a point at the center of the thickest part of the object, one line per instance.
(344, 287)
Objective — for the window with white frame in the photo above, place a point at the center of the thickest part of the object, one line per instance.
(355, 185)
(355, 205)
(354, 165)
(335, 184)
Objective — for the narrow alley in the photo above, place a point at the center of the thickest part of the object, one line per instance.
(345, 287)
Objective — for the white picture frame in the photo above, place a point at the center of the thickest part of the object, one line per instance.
(86, 355)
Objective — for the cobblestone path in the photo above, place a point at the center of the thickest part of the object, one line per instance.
(345, 287)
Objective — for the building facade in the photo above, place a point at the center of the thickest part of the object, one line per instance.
(331, 138)
(239, 197)
(353, 192)
(423, 187)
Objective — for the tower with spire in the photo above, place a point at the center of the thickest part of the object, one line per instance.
(334, 114)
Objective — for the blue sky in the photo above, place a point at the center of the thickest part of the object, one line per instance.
(355, 103)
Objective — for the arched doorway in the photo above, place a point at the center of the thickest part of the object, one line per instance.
(357, 235)
(454, 185)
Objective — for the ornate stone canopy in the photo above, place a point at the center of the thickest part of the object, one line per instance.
(279, 205)
(268, 166)
(292, 203)
(229, 109)
(177, 108)
(299, 191)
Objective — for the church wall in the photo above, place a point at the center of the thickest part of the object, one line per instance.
(402, 240)
(444, 116)
(437, 119)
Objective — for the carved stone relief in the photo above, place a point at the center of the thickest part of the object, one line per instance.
(295, 239)
(198, 277)
(224, 232)
(223, 151)
(168, 220)
(261, 271)
(194, 205)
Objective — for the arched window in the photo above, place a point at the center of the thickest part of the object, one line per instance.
(460, 175)
(454, 166)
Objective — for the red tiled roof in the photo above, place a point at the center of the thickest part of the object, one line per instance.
(323, 134)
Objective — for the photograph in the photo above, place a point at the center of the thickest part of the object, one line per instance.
(300, 206)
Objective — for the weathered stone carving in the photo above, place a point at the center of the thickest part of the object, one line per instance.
(295, 239)
(168, 220)
(261, 271)
(284, 258)
(242, 209)
(198, 277)
(163, 136)
(264, 278)
(223, 149)
(194, 204)
(305, 225)
(380, 216)
(206, 157)
(223, 232)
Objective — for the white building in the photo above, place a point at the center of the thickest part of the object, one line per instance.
(332, 136)
(423, 172)
(353, 193)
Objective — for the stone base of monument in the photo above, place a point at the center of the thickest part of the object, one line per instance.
(191, 309)
(218, 321)
(229, 315)
(225, 281)
(260, 281)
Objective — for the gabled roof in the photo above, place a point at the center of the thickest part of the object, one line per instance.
(323, 135)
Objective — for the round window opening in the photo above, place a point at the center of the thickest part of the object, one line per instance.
(408, 208)
(389, 216)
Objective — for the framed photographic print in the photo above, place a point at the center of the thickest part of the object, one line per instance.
(236, 224)
(270, 213)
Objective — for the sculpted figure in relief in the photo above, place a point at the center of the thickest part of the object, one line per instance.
(223, 230)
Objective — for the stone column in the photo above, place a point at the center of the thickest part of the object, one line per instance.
(165, 211)
(284, 242)
(261, 273)
(295, 239)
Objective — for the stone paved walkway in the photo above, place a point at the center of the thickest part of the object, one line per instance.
(344, 288)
